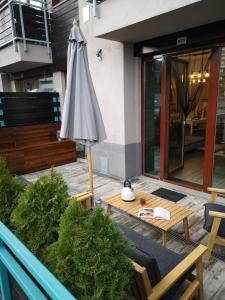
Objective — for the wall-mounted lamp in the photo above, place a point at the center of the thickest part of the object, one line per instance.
(99, 54)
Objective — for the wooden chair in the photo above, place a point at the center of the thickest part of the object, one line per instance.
(84, 198)
(194, 259)
(215, 221)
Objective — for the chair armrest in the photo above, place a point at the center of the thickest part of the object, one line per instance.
(164, 285)
(217, 214)
(144, 277)
(82, 196)
(216, 190)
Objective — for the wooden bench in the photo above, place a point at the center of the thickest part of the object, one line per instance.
(195, 286)
(160, 273)
(32, 148)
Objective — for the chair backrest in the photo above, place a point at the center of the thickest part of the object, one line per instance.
(141, 288)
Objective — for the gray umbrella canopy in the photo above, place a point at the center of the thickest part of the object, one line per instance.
(81, 119)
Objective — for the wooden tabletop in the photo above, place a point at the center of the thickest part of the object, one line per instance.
(177, 213)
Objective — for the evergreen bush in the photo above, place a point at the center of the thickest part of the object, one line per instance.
(10, 188)
(37, 215)
(89, 257)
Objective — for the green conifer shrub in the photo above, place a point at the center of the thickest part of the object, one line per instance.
(10, 188)
(37, 215)
(89, 257)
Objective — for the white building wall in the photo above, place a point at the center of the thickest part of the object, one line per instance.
(115, 14)
(108, 80)
(132, 111)
(117, 84)
(107, 76)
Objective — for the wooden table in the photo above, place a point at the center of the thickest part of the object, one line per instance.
(177, 213)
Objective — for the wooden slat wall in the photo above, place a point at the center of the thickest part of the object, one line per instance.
(5, 26)
(32, 148)
(28, 108)
(62, 19)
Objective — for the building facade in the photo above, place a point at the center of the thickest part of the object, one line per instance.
(158, 71)
(160, 84)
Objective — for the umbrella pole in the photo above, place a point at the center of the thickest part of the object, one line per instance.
(90, 171)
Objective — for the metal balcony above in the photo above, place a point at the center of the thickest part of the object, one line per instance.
(24, 35)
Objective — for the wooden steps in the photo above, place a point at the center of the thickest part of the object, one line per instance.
(35, 147)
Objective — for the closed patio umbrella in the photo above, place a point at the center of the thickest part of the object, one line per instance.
(81, 119)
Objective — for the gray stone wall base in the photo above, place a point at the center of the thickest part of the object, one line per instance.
(118, 161)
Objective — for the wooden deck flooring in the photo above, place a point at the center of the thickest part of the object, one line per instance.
(76, 176)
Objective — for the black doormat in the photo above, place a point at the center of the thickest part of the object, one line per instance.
(168, 194)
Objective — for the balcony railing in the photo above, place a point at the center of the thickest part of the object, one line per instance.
(94, 4)
(19, 268)
(25, 21)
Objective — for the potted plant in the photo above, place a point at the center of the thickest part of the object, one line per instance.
(89, 256)
(10, 189)
(37, 215)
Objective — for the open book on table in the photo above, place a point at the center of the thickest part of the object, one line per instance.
(154, 213)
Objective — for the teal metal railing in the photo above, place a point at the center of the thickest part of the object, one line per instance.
(10, 22)
(31, 275)
(94, 5)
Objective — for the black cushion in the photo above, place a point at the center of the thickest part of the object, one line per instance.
(209, 220)
(165, 258)
(146, 260)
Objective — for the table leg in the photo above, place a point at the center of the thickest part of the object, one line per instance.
(164, 238)
(186, 229)
(191, 129)
(109, 209)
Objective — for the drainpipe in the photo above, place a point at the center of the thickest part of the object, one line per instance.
(46, 28)
(94, 7)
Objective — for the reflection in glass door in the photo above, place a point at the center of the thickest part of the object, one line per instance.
(187, 115)
(219, 148)
(152, 103)
(178, 79)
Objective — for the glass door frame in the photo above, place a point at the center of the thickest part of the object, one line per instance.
(145, 59)
(169, 62)
(210, 123)
(211, 119)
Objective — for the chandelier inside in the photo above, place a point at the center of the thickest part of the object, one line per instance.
(197, 77)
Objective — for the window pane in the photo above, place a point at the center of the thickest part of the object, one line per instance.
(152, 102)
(219, 152)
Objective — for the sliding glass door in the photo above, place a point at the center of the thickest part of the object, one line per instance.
(152, 70)
(178, 79)
(219, 147)
(187, 109)
(183, 118)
